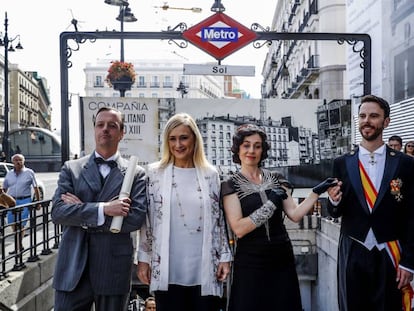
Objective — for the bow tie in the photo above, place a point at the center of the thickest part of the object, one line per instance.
(110, 163)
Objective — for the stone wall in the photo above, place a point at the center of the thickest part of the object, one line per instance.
(325, 293)
(31, 288)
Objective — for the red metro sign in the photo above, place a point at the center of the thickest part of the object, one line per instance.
(219, 35)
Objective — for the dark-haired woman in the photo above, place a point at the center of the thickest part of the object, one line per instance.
(409, 148)
(255, 199)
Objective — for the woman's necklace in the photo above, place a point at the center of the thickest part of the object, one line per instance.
(180, 206)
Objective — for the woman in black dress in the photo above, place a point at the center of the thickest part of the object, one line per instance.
(254, 199)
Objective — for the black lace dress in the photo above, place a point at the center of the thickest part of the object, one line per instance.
(264, 275)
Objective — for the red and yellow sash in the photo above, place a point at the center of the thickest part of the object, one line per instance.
(393, 247)
(369, 189)
(394, 251)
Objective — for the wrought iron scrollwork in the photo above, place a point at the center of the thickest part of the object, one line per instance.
(256, 27)
(79, 39)
(356, 48)
(181, 27)
(181, 44)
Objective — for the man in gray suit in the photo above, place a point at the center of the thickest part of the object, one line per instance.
(94, 264)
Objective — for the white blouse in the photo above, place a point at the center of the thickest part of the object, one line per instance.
(155, 235)
(186, 236)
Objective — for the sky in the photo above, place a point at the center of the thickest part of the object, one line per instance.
(39, 24)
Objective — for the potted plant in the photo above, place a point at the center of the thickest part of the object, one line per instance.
(121, 75)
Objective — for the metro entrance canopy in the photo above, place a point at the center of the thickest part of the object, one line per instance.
(218, 35)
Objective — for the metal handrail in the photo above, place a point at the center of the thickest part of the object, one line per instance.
(41, 233)
(43, 237)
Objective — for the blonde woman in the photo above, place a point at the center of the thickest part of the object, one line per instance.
(183, 251)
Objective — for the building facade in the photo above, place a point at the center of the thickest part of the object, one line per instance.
(306, 69)
(161, 78)
(45, 106)
(217, 135)
(334, 129)
(332, 71)
(29, 101)
(289, 145)
(391, 27)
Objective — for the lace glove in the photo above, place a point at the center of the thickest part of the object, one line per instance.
(262, 214)
(325, 185)
(277, 195)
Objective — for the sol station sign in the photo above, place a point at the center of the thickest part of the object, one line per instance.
(219, 35)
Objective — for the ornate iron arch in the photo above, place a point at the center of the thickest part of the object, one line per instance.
(175, 36)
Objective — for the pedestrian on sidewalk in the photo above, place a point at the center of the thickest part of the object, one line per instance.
(18, 183)
(395, 142)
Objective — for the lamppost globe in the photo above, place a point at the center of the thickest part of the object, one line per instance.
(126, 15)
(217, 7)
(116, 2)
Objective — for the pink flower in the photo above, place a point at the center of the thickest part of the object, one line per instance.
(118, 69)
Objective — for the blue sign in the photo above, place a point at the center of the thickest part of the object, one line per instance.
(226, 34)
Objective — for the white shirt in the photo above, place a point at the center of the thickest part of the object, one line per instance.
(374, 164)
(104, 169)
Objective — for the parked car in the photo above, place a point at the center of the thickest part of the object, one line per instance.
(5, 167)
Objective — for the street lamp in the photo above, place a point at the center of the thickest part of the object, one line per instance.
(8, 47)
(182, 89)
(217, 7)
(125, 15)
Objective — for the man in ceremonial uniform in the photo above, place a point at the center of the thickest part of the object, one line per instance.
(375, 198)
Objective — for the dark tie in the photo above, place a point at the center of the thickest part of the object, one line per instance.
(110, 163)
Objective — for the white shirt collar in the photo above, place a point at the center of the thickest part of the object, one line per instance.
(379, 151)
(113, 157)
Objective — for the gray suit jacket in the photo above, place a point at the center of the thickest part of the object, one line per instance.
(106, 256)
